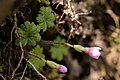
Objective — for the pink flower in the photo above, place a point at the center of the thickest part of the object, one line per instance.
(62, 68)
(93, 52)
(59, 67)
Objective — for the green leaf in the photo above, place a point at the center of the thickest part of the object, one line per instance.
(37, 37)
(21, 33)
(50, 23)
(38, 51)
(36, 29)
(58, 51)
(26, 26)
(29, 33)
(37, 63)
(45, 18)
(43, 26)
(59, 40)
(24, 41)
(31, 42)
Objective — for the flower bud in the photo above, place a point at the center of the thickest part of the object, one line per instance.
(51, 64)
(93, 52)
(62, 69)
(59, 67)
(78, 48)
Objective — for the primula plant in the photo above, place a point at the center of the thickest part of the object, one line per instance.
(29, 34)
(45, 41)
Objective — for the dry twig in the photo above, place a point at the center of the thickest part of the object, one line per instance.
(2, 76)
(22, 56)
(114, 17)
(23, 72)
(37, 70)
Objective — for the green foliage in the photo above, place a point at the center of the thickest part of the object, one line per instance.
(45, 18)
(1, 69)
(29, 33)
(37, 62)
(45, 1)
(58, 51)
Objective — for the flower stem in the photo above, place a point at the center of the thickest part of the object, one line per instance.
(69, 45)
(37, 56)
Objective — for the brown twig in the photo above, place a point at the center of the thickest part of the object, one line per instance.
(15, 25)
(2, 76)
(22, 56)
(23, 72)
(114, 17)
(85, 13)
(71, 32)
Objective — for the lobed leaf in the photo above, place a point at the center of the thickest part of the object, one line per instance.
(58, 51)
(37, 63)
(45, 18)
(29, 33)
(38, 51)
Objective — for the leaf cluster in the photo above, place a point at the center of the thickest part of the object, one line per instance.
(45, 18)
(29, 33)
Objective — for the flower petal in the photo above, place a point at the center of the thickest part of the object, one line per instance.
(62, 69)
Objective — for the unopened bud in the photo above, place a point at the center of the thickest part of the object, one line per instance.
(78, 48)
(62, 69)
(59, 67)
(51, 64)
